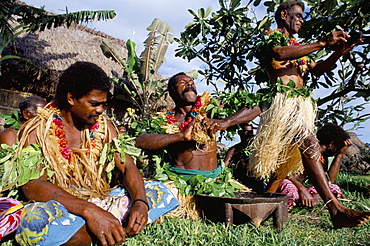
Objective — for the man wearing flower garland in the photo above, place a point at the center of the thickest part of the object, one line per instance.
(285, 137)
(191, 156)
(65, 160)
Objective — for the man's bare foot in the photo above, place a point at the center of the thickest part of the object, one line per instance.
(349, 218)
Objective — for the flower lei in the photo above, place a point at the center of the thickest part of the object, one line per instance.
(170, 116)
(59, 132)
(302, 61)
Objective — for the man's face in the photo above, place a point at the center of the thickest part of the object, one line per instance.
(330, 149)
(293, 19)
(186, 89)
(246, 132)
(88, 108)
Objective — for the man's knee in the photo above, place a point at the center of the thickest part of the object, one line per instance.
(81, 237)
(310, 143)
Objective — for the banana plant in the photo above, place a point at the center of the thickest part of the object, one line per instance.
(140, 82)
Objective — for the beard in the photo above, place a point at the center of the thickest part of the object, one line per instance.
(89, 121)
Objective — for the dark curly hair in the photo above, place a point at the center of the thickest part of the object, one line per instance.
(79, 80)
(172, 83)
(288, 5)
(332, 133)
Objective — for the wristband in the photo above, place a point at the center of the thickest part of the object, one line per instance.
(140, 200)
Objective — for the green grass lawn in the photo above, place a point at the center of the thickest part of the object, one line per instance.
(304, 226)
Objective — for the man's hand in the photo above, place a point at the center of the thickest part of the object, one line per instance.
(215, 125)
(104, 226)
(336, 37)
(306, 198)
(137, 219)
(187, 132)
(347, 143)
(346, 48)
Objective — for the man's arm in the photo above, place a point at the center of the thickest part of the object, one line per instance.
(244, 115)
(322, 67)
(8, 136)
(335, 165)
(282, 53)
(229, 155)
(148, 141)
(134, 183)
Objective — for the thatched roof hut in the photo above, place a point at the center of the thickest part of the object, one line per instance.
(52, 51)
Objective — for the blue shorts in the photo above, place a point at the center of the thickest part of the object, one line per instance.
(50, 224)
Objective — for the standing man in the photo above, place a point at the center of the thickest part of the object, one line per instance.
(285, 137)
(66, 157)
(27, 110)
(189, 159)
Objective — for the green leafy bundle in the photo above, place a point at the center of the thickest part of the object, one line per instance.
(11, 120)
(223, 185)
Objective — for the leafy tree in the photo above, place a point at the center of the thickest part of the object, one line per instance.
(226, 41)
(27, 18)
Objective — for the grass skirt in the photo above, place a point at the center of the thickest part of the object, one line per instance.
(281, 131)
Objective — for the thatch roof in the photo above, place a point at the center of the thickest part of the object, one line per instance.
(53, 51)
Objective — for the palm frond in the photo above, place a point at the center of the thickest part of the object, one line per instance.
(39, 19)
(5, 19)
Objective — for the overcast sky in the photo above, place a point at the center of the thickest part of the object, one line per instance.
(134, 16)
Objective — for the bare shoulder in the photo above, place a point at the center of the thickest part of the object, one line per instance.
(112, 131)
(8, 136)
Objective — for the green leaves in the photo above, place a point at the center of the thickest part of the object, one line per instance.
(221, 40)
(16, 171)
(11, 120)
(291, 90)
(148, 125)
(39, 19)
(221, 186)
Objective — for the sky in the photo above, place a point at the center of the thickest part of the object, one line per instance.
(134, 16)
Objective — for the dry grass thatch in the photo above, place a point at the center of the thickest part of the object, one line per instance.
(53, 51)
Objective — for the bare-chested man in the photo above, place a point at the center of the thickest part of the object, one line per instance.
(62, 171)
(27, 108)
(285, 136)
(188, 160)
